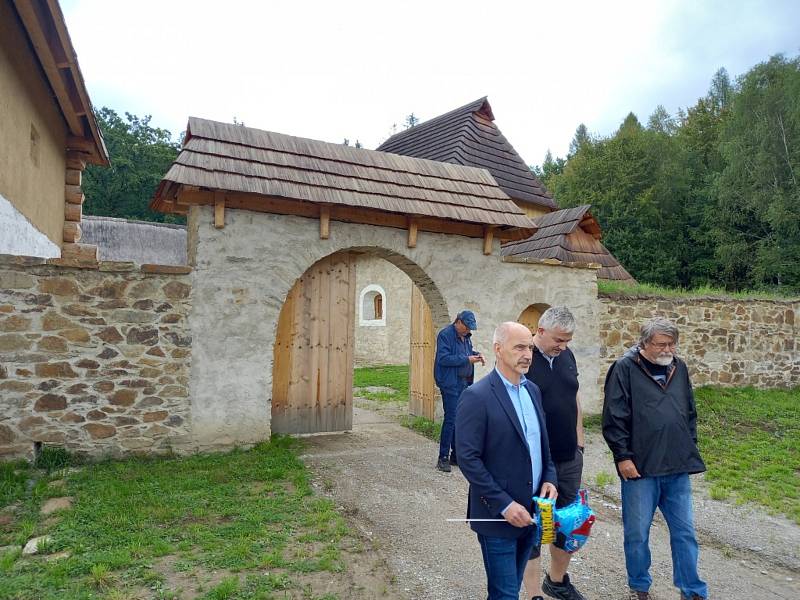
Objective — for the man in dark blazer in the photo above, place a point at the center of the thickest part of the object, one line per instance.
(504, 453)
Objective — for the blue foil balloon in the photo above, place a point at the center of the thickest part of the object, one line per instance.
(568, 527)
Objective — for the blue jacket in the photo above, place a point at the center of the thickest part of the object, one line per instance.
(451, 362)
(493, 454)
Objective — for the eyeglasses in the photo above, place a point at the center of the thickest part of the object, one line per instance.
(663, 345)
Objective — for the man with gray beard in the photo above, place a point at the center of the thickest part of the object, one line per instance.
(649, 423)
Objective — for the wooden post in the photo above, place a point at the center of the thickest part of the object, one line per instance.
(219, 210)
(488, 235)
(412, 232)
(324, 221)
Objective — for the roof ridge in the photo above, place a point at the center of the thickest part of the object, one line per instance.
(480, 103)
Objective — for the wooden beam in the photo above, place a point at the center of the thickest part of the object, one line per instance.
(72, 231)
(488, 238)
(73, 194)
(347, 214)
(412, 232)
(324, 221)
(73, 212)
(80, 144)
(76, 160)
(219, 210)
(79, 252)
(73, 177)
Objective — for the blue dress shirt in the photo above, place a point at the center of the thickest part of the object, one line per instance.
(526, 414)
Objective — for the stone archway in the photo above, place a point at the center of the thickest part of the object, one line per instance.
(312, 371)
(530, 316)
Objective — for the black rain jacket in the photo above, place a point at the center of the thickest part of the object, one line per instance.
(653, 425)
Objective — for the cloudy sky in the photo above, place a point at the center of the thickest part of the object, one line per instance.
(351, 69)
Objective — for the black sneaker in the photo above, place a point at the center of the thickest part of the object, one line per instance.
(453, 460)
(443, 465)
(563, 590)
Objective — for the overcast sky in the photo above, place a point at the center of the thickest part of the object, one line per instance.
(331, 70)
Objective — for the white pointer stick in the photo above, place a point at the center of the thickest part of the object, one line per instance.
(477, 520)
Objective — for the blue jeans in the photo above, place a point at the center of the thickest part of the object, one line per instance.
(505, 560)
(447, 441)
(672, 494)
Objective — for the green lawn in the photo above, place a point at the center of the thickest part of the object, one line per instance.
(239, 525)
(390, 376)
(750, 440)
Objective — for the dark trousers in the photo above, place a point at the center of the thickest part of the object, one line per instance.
(447, 440)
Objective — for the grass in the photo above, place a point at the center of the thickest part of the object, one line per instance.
(749, 440)
(390, 376)
(430, 429)
(613, 288)
(242, 513)
(394, 378)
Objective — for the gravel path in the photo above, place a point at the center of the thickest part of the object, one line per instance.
(382, 475)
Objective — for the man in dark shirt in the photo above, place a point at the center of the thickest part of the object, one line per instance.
(555, 371)
(650, 425)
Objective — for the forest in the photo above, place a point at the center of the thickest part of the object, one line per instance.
(705, 197)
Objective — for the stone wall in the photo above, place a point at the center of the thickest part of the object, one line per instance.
(95, 360)
(387, 343)
(725, 342)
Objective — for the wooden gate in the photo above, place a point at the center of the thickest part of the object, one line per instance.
(312, 379)
(423, 349)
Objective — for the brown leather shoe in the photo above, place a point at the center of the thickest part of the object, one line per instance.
(637, 595)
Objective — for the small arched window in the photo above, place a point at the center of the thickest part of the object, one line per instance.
(372, 306)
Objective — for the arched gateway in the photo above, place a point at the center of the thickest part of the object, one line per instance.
(264, 209)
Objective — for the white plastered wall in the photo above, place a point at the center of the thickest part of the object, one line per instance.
(243, 272)
(20, 237)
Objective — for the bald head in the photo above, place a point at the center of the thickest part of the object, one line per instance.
(513, 348)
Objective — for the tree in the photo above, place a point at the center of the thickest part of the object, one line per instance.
(579, 140)
(661, 121)
(757, 193)
(411, 121)
(140, 157)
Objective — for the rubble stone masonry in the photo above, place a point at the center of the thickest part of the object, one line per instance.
(95, 360)
(726, 342)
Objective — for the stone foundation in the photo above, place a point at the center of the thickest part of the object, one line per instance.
(724, 342)
(93, 359)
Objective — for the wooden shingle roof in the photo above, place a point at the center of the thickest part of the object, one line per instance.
(570, 235)
(468, 136)
(232, 158)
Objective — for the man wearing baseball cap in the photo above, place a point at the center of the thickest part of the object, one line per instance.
(454, 370)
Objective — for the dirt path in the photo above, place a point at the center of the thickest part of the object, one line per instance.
(382, 475)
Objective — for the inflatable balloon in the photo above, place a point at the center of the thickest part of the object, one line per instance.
(569, 527)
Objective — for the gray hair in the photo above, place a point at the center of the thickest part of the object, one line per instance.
(557, 317)
(658, 325)
(502, 330)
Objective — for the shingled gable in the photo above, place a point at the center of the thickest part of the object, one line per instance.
(468, 136)
(273, 172)
(570, 235)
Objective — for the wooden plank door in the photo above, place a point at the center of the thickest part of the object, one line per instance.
(312, 383)
(423, 350)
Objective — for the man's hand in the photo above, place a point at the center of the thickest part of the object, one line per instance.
(627, 470)
(548, 491)
(517, 516)
(474, 358)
